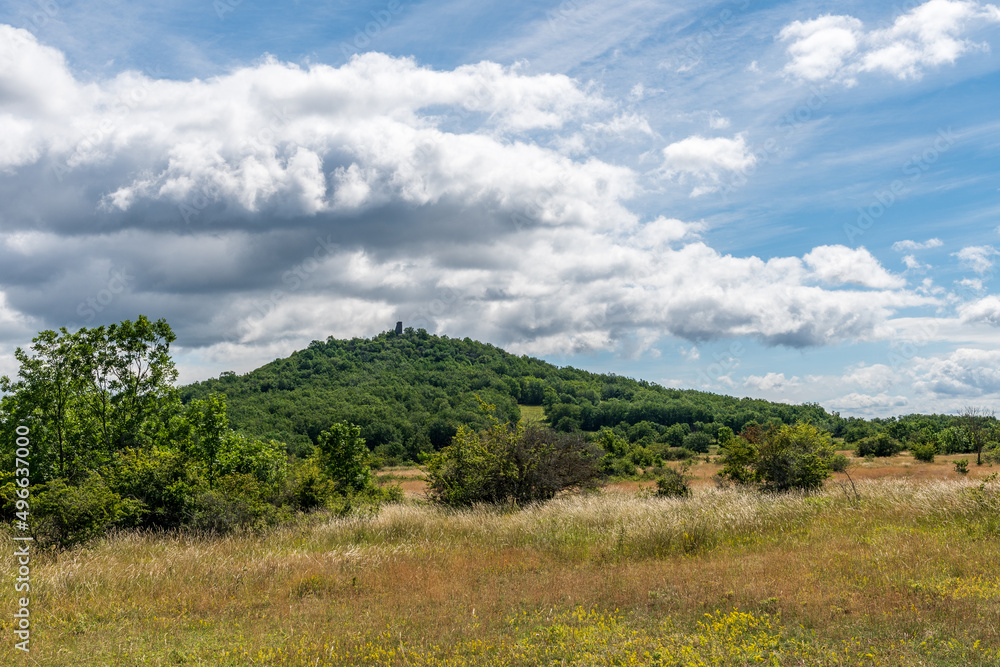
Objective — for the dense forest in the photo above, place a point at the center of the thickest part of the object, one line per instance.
(409, 392)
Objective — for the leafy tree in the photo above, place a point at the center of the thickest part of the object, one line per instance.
(344, 457)
(977, 424)
(507, 463)
(87, 395)
(881, 444)
(782, 458)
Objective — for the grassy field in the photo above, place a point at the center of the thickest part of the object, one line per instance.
(907, 575)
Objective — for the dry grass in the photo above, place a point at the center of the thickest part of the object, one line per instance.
(907, 575)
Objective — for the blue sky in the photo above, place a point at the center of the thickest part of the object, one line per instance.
(790, 200)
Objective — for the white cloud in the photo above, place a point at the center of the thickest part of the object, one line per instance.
(707, 161)
(839, 264)
(838, 47)
(985, 310)
(911, 246)
(867, 403)
(820, 47)
(770, 382)
(913, 264)
(306, 198)
(717, 121)
(977, 258)
(877, 378)
(964, 372)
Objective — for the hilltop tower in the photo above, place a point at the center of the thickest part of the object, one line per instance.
(399, 328)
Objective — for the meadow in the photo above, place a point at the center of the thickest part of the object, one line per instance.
(903, 573)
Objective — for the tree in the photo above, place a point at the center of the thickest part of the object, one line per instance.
(976, 424)
(87, 395)
(782, 458)
(344, 456)
(508, 463)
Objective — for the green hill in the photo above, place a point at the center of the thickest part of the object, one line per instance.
(410, 391)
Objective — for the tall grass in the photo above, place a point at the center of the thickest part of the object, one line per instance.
(906, 575)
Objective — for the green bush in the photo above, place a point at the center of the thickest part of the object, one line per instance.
(881, 444)
(162, 480)
(698, 441)
(924, 451)
(238, 500)
(343, 455)
(674, 482)
(509, 463)
(962, 466)
(63, 516)
(307, 487)
(783, 459)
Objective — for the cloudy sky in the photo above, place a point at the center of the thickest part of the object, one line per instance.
(790, 200)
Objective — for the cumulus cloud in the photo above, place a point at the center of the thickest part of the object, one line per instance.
(839, 48)
(274, 204)
(820, 47)
(978, 258)
(964, 372)
(770, 382)
(839, 264)
(867, 403)
(707, 161)
(986, 310)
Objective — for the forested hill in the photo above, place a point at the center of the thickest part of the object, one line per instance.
(410, 391)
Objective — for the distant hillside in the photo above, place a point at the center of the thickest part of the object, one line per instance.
(410, 391)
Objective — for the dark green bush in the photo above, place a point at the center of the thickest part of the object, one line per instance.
(924, 451)
(63, 516)
(508, 463)
(698, 442)
(674, 482)
(881, 444)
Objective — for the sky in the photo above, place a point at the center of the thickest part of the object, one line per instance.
(795, 201)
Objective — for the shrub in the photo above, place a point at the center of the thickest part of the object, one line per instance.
(162, 481)
(674, 482)
(881, 444)
(924, 451)
(621, 468)
(343, 456)
(783, 458)
(839, 462)
(507, 463)
(238, 500)
(64, 516)
(962, 466)
(698, 442)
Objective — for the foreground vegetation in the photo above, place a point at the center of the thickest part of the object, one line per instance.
(906, 575)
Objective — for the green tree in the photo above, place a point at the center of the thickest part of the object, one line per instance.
(344, 456)
(87, 395)
(976, 425)
(508, 463)
(778, 458)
